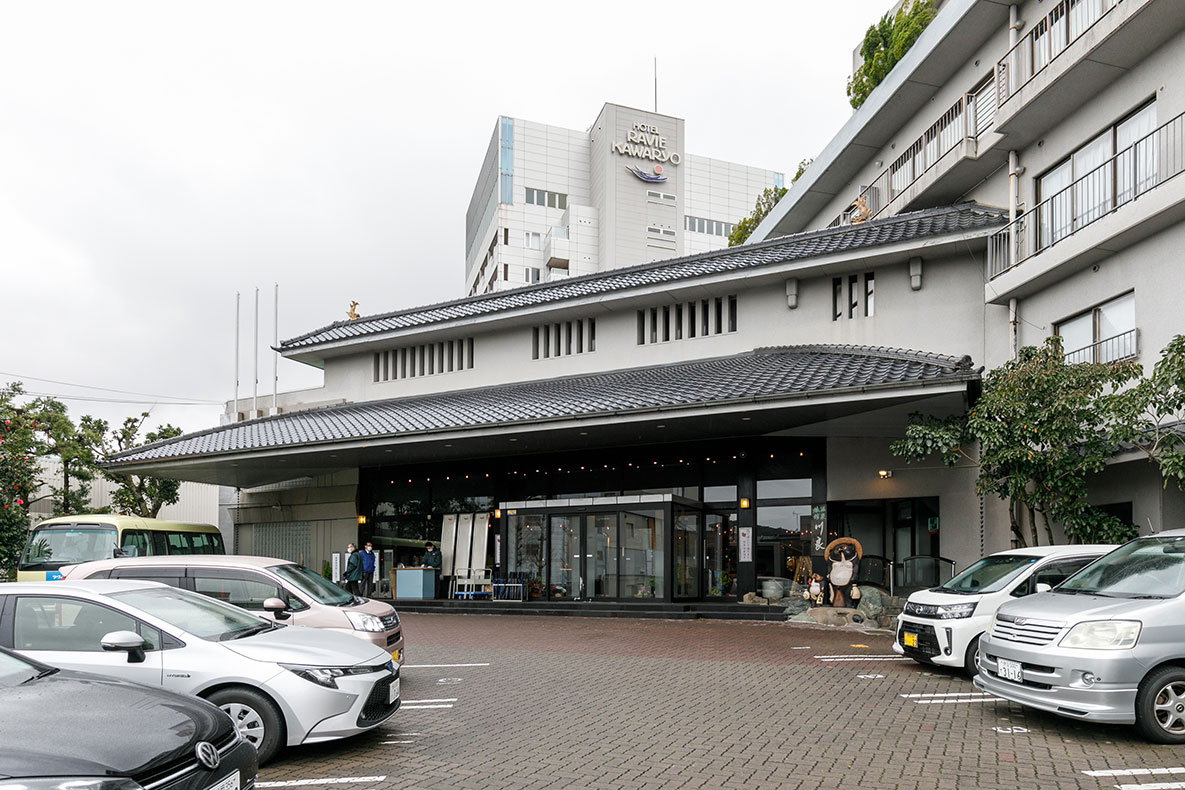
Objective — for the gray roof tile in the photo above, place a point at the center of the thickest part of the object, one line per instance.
(767, 373)
(903, 227)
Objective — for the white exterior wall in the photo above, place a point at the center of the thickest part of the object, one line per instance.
(721, 191)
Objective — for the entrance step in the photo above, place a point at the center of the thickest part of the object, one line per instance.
(663, 611)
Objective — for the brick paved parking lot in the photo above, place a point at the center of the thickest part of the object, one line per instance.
(510, 702)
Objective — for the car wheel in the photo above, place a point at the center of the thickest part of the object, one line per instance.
(255, 716)
(1160, 706)
(971, 658)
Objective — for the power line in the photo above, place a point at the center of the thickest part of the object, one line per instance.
(93, 399)
(106, 389)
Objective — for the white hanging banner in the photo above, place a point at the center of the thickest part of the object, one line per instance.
(746, 539)
(448, 536)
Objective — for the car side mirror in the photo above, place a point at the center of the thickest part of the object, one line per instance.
(1043, 587)
(277, 607)
(127, 641)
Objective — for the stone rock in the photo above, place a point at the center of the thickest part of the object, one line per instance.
(872, 602)
(754, 598)
(838, 616)
(795, 604)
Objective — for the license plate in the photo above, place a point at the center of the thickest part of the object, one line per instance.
(229, 783)
(395, 656)
(393, 691)
(1011, 670)
(909, 640)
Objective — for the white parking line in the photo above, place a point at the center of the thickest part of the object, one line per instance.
(433, 666)
(1137, 772)
(1154, 786)
(952, 701)
(343, 780)
(830, 660)
(421, 701)
(392, 743)
(861, 655)
(946, 694)
(422, 707)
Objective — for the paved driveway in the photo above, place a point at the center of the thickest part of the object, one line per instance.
(525, 702)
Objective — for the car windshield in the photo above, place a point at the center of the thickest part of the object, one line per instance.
(989, 574)
(14, 671)
(1151, 567)
(195, 614)
(49, 548)
(316, 587)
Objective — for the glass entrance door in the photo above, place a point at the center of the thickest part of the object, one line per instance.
(600, 555)
(584, 556)
(565, 558)
(720, 555)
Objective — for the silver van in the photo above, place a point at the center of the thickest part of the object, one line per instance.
(1105, 645)
(273, 588)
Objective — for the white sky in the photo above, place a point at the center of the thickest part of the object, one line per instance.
(157, 157)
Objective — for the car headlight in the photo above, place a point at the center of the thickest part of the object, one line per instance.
(365, 622)
(68, 783)
(1103, 635)
(325, 676)
(956, 611)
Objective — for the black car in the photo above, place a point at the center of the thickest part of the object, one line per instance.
(62, 730)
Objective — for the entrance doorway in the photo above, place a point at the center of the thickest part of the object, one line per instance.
(583, 556)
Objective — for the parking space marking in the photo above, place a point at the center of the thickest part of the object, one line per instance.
(850, 657)
(422, 707)
(1136, 772)
(949, 698)
(433, 666)
(870, 677)
(341, 780)
(422, 701)
(946, 694)
(392, 743)
(1154, 786)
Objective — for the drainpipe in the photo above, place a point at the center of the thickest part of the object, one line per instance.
(1014, 25)
(1012, 326)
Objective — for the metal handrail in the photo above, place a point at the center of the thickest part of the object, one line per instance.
(1142, 166)
(969, 117)
(1125, 345)
(1048, 38)
(941, 564)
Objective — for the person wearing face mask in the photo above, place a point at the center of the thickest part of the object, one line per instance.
(368, 563)
(353, 575)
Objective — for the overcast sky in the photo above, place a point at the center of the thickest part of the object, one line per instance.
(157, 157)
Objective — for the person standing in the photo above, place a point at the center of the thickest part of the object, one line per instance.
(353, 569)
(432, 559)
(368, 563)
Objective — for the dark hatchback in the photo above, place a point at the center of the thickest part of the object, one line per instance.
(62, 730)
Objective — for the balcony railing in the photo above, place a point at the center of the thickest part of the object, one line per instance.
(970, 117)
(1147, 163)
(1060, 28)
(1122, 346)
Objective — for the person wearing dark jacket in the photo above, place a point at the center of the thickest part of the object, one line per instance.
(432, 559)
(368, 563)
(353, 569)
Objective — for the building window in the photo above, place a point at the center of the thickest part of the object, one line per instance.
(541, 197)
(1105, 333)
(531, 274)
(1109, 170)
(659, 197)
(446, 356)
(506, 161)
(685, 321)
(564, 339)
(848, 302)
(712, 227)
(532, 240)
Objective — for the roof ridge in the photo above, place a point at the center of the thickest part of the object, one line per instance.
(803, 236)
(905, 354)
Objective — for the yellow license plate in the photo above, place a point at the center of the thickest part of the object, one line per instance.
(395, 655)
(909, 640)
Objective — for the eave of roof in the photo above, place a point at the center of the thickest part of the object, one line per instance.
(917, 225)
(763, 375)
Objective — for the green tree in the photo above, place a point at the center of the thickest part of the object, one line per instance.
(1151, 415)
(139, 495)
(885, 43)
(766, 201)
(74, 447)
(802, 166)
(1042, 427)
(18, 476)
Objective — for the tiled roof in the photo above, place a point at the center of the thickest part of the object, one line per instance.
(902, 227)
(761, 375)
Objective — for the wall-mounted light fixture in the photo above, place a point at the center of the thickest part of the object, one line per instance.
(497, 512)
(744, 503)
(362, 519)
(885, 473)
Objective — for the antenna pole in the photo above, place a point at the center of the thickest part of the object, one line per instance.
(276, 353)
(255, 389)
(656, 84)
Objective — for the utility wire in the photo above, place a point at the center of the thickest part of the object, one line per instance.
(105, 389)
(95, 399)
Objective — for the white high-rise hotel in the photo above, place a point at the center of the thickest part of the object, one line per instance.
(553, 202)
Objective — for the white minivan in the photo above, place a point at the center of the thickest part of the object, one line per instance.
(942, 625)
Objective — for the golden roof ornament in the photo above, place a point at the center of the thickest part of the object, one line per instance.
(352, 312)
(860, 212)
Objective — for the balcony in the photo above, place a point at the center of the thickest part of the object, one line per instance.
(1125, 345)
(556, 248)
(941, 164)
(1070, 54)
(1134, 172)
